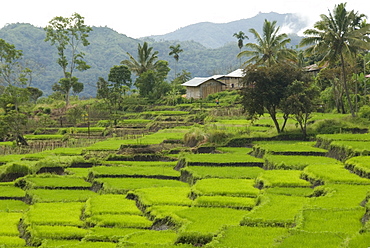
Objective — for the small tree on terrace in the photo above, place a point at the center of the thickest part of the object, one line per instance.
(265, 88)
(300, 103)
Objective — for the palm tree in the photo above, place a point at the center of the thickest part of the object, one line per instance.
(339, 36)
(175, 50)
(240, 36)
(146, 60)
(270, 47)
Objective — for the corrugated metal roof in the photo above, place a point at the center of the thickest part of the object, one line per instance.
(236, 73)
(198, 81)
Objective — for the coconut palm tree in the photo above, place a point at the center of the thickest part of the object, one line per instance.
(339, 36)
(146, 59)
(270, 47)
(175, 50)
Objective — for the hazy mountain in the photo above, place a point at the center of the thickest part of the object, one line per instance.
(108, 48)
(214, 35)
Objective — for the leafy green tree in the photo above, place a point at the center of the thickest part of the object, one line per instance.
(68, 34)
(13, 121)
(120, 75)
(265, 88)
(146, 60)
(150, 71)
(65, 85)
(112, 92)
(300, 102)
(175, 51)
(34, 93)
(339, 36)
(75, 115)
(11, 71)
(152, 84)
(270, 47)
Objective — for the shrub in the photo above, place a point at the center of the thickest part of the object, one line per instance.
(331, 126)
(194, 137)
(364, 112)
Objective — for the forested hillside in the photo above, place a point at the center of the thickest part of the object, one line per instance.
(108, 48)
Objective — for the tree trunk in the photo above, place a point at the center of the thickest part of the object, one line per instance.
(285, 121)
(272, 113)
(344, 75)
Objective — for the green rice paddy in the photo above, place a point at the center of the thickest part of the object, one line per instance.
(270, 194)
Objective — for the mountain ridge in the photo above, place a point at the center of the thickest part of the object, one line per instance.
(215, 35)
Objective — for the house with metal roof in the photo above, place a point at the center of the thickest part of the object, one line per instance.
(201, 87)
(233, 79)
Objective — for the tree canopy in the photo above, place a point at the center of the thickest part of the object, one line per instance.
(270, 47)
(340, 35)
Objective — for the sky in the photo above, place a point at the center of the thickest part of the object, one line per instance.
(139, 18)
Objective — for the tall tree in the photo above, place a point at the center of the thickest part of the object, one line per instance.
(340, 35)
(11, 72)
(146, 59)
(68, 34)
(270, 47)
(175, 50)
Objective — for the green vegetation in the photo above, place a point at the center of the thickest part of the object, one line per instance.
(346, 221)
(58, 195)
(163, 196)
(245, 237)
(313, 239)
(148, 167)
(52, 182)
(359, 165)
(281, 178)
(110, 204)
(331, 173)
(119, 186)
(225, 187)
(55, 213)
(287, 148)
(194, 173)
(272, 211)
(134, 171)
(294, 162)
(224, 159)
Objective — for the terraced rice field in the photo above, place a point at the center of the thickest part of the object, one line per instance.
(273, 194)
